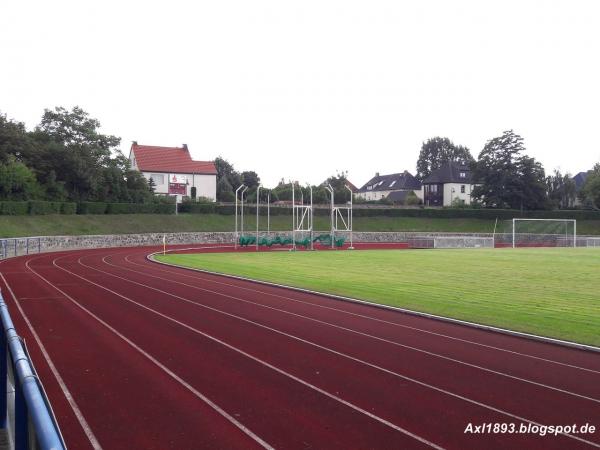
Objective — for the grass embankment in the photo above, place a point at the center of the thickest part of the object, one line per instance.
(13, 226)
(550, 292)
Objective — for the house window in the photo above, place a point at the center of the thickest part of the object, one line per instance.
(462, 175)
(462, 189)
(392, 183)
(158, 178)
(433, 188)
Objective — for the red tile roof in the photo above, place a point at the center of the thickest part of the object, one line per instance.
(151, 158)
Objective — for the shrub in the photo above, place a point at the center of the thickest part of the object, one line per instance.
(38, 207)
(91, 208)
(14, 208)
(68, 208)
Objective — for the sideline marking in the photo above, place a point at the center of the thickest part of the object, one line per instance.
(275, 368)
(545, 339)
(78, 414)
(416, 349)
(154, 360)
(254, 358)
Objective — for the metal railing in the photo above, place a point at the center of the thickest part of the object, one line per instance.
(25, 413)
(20, 246)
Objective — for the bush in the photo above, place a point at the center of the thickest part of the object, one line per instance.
(68, 208)
(38, 207)
(140, 208)
(197, 208)
(14, 208)
(91, 208)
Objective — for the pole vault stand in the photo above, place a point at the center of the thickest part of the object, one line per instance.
(302, 218)
(341, 217)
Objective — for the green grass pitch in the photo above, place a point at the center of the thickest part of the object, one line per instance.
(550, 292)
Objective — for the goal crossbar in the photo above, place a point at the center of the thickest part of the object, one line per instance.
(515, 221)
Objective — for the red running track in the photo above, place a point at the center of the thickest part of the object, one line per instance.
(139, 355)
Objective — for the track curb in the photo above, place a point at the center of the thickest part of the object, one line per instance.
(519, 334)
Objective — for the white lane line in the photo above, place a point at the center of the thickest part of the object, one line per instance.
(421, 383)
(201, 272)
(177, 378)
(254, 358)
(72, 403)
(350, 330)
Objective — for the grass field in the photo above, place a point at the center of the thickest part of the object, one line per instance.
(13, 226)
(550, 292)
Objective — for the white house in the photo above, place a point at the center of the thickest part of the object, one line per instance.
(174, 172)
(448, 185)
(382, 186)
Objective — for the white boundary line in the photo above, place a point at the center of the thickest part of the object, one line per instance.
(421, 383)
(363, 316)
(536, 337)
(180, 380)
(350, 330)
(78, 414)
(243, 353)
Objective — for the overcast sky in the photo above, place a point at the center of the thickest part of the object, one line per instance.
(303, 89)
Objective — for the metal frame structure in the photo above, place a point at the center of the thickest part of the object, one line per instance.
(35, 426)
(566, 221)
(257, 213)
(302, 217)
(341, 214)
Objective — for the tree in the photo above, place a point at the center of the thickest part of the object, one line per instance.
(338, 182)
(562, 191)
(438, 151)
(590, 192)
(228, 179)
(17, 181)
(250, 179)
(506, 178)
(14, 139)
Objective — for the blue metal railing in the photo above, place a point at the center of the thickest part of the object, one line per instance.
(34, 425)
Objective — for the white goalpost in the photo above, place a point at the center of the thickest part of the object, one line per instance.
(544, 233)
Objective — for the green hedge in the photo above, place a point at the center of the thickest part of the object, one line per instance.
(140, 208)
(38, 207)
(91, 208)
(14, 208)
(68, 208)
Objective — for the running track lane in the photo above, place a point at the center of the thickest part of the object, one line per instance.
(159, 357)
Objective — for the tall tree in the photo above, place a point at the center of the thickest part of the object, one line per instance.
(506, 178)
(17, 182)
(590, 192)
(438, 151)
(228, 179)
(562, 191)
(14, 139)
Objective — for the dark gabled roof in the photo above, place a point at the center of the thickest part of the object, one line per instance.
(449, 173)
(392, 182)
(580, 178)
(398, 197)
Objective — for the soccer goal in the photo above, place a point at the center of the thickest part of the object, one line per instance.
(541, 233)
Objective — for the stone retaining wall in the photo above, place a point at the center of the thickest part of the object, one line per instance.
(57, 243)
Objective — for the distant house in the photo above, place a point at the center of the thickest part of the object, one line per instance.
(447, 185)
(382, 186)
(174, 172)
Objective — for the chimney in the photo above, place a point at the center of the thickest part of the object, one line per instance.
(134, 143)
(376, 174)
(185, 146)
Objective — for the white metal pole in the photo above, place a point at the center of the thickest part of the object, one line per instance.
(257, 207)
(242, 214)
(494, 235)
(269, 214)
(350, 219)
(293, 217)
(574, 233)
(332, 214)
(513, 230)
(312, 246)
(236, 216)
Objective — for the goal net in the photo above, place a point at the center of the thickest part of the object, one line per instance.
(536, 233)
